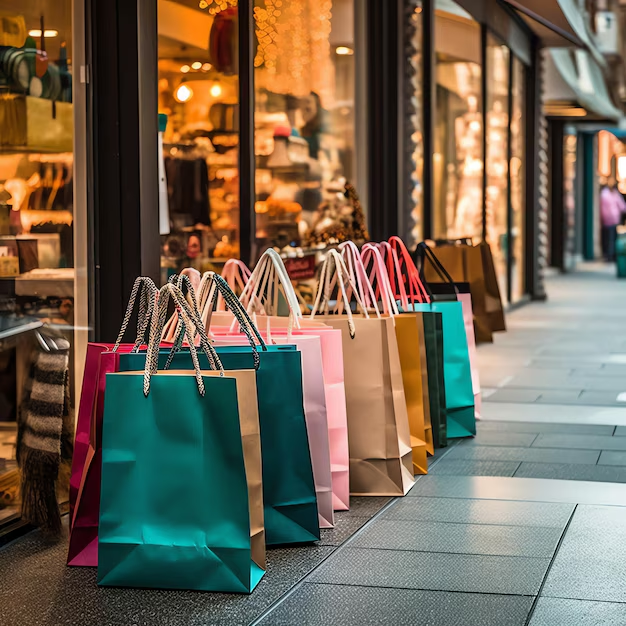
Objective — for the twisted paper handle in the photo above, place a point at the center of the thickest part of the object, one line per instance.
(146, 310)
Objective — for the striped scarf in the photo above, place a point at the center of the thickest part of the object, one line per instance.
(44, 438)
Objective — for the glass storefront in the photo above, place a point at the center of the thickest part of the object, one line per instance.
(496, 159)
(304, 128)
(304, 120)
(198, 106)
(458, 153)
(38, 260)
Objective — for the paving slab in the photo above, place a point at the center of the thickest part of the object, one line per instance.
(321, 605)
(436, 571)
(562, 612)
(498, 438)
(579, 442)
(535, 541)
(521, 489)
(539, 427)
(590, 563)
(471, 467)
(531, 455)
(563, 471)
(499, 512)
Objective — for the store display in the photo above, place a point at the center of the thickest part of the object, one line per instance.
(37, 258)
(318, 426)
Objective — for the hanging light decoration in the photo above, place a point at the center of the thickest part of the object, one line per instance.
(294, 47)
(216, 6)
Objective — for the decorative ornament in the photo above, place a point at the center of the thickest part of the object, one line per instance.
(294, 47)
(217, 6)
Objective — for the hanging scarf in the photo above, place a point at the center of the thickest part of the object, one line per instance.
(45, 436)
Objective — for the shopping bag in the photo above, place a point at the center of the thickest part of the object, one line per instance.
(86, 462)
(459, 394)
(266, 290)
(493, 299)
(464, 264)
(378, 431)
(309, 347)
(407, 328)
(181, 504)
(290, 505)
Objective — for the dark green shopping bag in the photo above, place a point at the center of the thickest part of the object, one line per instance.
(290, 505)
(433, 338)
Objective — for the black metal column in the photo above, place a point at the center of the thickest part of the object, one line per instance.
(247, 227)
(383, 127)
(534, 281)
(557, 208)
(124, 185)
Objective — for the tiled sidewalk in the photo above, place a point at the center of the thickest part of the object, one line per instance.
(524, 525)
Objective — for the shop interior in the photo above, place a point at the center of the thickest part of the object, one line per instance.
(36, 208)
(304, 77)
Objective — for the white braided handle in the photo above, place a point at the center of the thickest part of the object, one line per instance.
(328, 280)
(147, 301)
(358, 274)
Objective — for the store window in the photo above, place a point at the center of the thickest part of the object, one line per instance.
(497, 157)
(37, 255)
(199, 122)
(305, 124)
(517, 171)
(458, 155)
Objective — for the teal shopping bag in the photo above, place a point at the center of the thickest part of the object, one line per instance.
(290, 505)
(180, 500)
(459, 395)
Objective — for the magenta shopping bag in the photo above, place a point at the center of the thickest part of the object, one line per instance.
(101, 359)
(468, 317)
(314, 412)
(86, 463)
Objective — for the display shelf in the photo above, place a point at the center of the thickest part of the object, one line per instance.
(12, 325)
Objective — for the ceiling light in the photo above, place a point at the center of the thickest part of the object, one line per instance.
(196, 65)
(183, 93)
(216, 90)
(344, 51)
(46, 33)
(206, 67)
(184, 69)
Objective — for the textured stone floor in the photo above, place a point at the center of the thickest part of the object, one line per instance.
(523, 525)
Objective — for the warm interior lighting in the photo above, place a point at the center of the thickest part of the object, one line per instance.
(604, 153)
(621, 167)
(183, 93)
(344, 51)
(184, 69)
(216, 90)
(206, 67)
(196, 65)
(46, 33)
(558, 110)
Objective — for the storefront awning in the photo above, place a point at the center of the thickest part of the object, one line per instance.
(558, 23)
(575, 86)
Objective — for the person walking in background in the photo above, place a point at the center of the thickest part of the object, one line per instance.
(612, 207)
